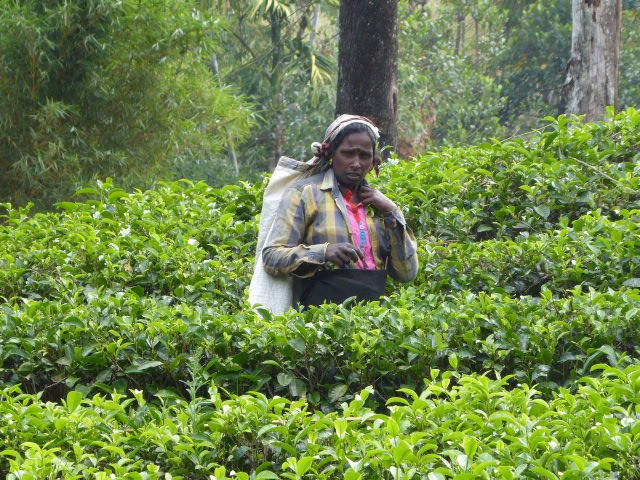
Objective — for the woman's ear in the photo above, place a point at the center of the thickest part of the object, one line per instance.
(376, 165)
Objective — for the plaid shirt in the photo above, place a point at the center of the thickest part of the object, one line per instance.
(313, 213)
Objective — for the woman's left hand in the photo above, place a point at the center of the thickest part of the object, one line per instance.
(375, 198)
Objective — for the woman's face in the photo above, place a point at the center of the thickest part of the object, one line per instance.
(353, 159)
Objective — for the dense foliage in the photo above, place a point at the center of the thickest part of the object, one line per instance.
(102, 88)
(127, 348)
(217, 90)
(629, 55)
(282, 54)
(471, 70)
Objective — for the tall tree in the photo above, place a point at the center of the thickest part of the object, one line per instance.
(593, 76)
(368, 63)
(278, 55)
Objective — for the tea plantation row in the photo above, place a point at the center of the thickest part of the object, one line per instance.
(514, 354)
(462, 427)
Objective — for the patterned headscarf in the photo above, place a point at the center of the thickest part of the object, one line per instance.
(336, 127)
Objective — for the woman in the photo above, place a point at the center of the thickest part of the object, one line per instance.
(332, 222)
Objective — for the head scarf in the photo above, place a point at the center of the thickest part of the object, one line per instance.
(336, 127)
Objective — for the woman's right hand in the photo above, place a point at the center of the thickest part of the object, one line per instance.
(342, 254)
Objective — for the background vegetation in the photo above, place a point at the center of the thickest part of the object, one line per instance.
(102, 88)
(127, 347)
(216, 90)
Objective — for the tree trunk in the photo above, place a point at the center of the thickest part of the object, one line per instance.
(232, 150)
(368, 64)
(460, 33)
(592, 81)
(314, 25)
(277, 92)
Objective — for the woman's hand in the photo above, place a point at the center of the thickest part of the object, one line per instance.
(342, 254)
(377, 199)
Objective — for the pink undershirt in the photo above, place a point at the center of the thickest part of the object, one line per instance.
(358, 219)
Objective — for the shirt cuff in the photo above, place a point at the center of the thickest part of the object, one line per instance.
(311, 260)
(315, 253)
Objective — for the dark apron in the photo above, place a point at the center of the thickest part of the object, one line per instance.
(335, 286)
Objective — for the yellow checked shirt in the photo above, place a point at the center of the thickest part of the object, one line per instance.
(313, 213)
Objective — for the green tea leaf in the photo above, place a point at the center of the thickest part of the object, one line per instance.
(74, 399)
(336, 392)
(543, 210)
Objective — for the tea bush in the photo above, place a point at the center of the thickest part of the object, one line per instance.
(181, 240)
(594, 251)
(127, 347)
(522, 186)
(457, 427)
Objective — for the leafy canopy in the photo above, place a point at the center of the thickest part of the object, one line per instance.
(102, 88)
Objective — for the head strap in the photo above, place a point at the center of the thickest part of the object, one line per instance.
(319, 149)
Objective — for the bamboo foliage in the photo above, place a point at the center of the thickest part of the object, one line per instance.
(102, 88)
(279, 54)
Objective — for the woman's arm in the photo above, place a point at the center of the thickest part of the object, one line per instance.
(403, 259)
(284, 252)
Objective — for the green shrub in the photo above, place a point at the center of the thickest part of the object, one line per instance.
(522, 186)
(129, 310)
(455, 426)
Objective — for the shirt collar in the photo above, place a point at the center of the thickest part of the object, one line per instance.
(329, 181)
